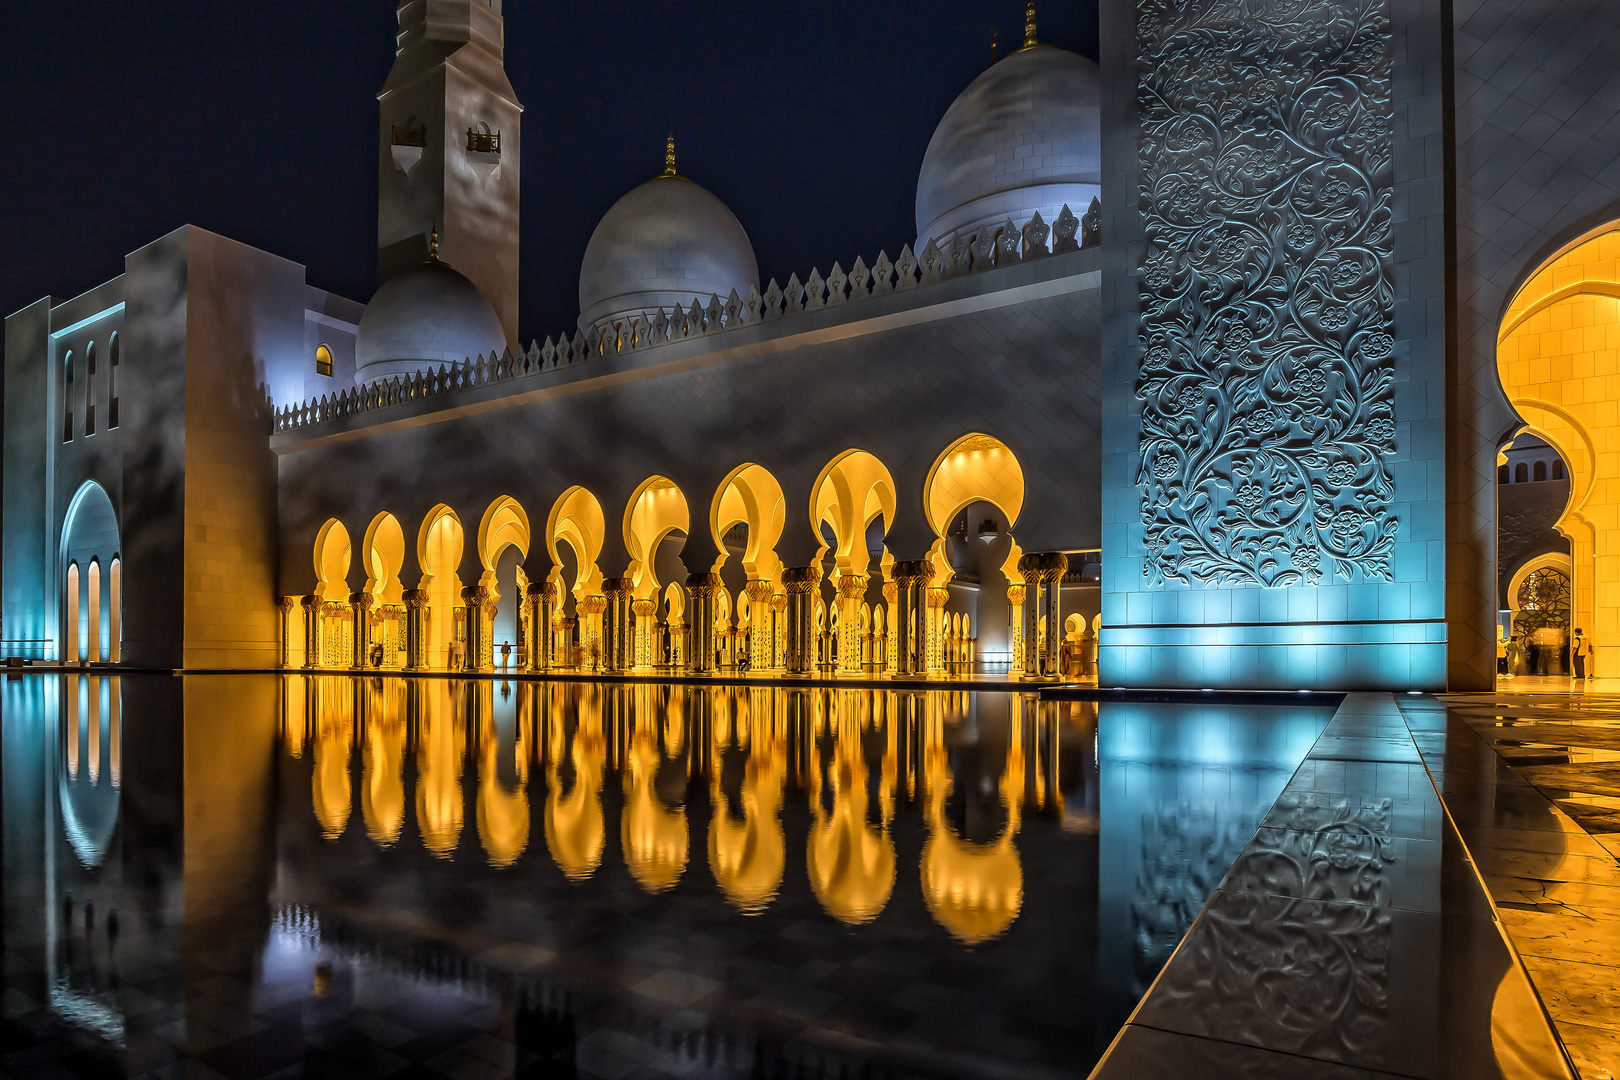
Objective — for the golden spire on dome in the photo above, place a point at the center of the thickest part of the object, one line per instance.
(1029, 25)
(433, 245)
(669, 155)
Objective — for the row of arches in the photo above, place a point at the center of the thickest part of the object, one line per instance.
(537, 596)
(443, 764)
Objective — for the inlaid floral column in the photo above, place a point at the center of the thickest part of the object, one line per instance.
(936, 600)
(851, 589)
(799, 650)
(701, 588)
(480, 611)
(1015, 598)
(643, 611)
(360, 610)
(285, 605)
(615, 624)
(759, 624)
(886, 650)
(416, 602)
(590, 630)
(312, 631)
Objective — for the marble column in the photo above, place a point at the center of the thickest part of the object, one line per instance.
(799, 649)
(284, 605)
(360, 606)
(701, 588)
(851, 590)
(416, 601)
(312, 631)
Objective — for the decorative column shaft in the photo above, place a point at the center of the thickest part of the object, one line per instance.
(416, 601)
(541, 594)
(590, 610)
(643, 611)
(936, 599)
(360, 604)
(799, 650)
(886, 650)
(1043, 574)
(1052, 611)
(1015, 598)
(911, 628)
(702, 588)
(478, 608)
(284, 605)
(312, 631)
(616, 624)
(851, 589)
(759, 624)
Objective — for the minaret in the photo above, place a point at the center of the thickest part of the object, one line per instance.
(450, 153)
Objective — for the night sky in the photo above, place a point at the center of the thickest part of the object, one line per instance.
(259, 121)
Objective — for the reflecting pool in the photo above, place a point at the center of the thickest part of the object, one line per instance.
(577, 879)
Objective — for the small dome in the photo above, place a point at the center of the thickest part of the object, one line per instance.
(421, 318)
(667, 242)
(1024, 136)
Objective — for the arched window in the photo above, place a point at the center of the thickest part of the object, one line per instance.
(1521, 473)
(67, 398)
(1558, 469)
(323, 360)
(1501, 474)
(90, 389)
(113, 358)
(1540, 470)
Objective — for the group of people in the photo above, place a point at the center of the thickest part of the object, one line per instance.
(1528, 655)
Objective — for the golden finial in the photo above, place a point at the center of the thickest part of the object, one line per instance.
(1029, 25)
(669, 155)
(433, 245)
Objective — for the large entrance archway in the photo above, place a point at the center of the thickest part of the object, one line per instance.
(1558, 354)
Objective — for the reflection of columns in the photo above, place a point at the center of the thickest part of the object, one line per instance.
(643, 611)
(936, 600)
(700, 617)
(851, 590)
(911, 629)
(285, 606)
(480, 609)
(1043, 575)
(616, 624)
(759, 624)
(312, 631)
(799, 650)
(360, 604)
(1015, 598)
(590, 610)
(416, 601)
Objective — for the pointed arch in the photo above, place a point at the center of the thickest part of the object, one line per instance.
(854, 490)
(576, 519)
(332, 554)
(657, 509)
(504, 523)
(439, 544)
(384, 554)
(750, 495)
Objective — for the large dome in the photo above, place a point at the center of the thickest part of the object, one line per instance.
(1024, 136)
(667, 242)
(421, 318)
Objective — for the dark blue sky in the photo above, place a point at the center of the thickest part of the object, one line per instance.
(258, 121)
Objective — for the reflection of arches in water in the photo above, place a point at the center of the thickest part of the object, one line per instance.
(748, 853)
(654, 835)
(90, 800)
(440, 739)
(333, 717)
(383, 762)
(503, 808)
(575, 829)
(851, 862)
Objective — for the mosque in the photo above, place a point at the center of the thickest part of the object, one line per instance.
(1198, 373)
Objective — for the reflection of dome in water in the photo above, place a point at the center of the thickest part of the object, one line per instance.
(665, 243)
(421, 318)
(1026, 135)
(89, 817)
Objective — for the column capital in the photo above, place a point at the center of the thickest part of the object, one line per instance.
(616, 587)
(852, 586)
(759, 590)
(286, 603)
(1015, 594)
(415, 598)
(703, 584)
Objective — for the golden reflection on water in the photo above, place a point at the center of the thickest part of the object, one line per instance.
(853, 754)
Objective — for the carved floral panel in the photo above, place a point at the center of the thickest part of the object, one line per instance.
(1267, 369)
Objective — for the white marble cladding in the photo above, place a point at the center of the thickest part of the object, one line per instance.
(987, 248)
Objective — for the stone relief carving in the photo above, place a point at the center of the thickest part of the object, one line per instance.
(1268, 352)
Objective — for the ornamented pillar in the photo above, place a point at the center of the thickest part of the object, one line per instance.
(563, 633)
(799, 648)
(1015, 598)
(1052, 612)
(284, 605)
(312, 631)
(643, 611)
(911, 626)
(616, 624)
(936, 600)
(1043, 574)
(360, 607)
(851, 589)
(778, 630)
(885, 645)
(416, 602)
(542, 638)
(590, 610)
(759, 625)
(479, 608)
(702, 588)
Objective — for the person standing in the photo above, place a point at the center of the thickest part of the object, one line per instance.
(1501, 651)
(1579, 650)
(506, 655)
(1513, 651)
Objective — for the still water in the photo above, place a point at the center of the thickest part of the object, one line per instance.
(482, 878)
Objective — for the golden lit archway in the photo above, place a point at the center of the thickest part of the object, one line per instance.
(657, 509)
(384, 548)
(576, 519)
(1558, 355)
(332, 554)
(439, 545)
(750, 496)
(975, 468)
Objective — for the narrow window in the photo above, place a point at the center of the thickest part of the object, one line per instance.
(1521, 473)
(1501, 474)
(67, 398)
(90, 389)
(114, 350)
(1558, 469)
(323, 360)
(1540, 470)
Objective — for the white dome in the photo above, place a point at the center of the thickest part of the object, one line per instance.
(667, 242)
(1024, 136)
(421, 318)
